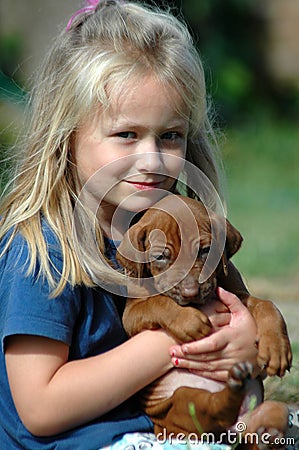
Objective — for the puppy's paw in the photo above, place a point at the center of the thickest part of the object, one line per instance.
(238, 375)
(274, 353)
(269, 422)
(189, 325)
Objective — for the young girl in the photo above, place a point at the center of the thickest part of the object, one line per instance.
(122, 92)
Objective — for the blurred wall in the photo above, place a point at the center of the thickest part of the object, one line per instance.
(282, 51)
(37, 23)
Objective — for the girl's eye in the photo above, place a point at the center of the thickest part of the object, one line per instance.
(171, 135)
(126, 135)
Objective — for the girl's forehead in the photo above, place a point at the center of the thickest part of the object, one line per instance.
(148, 95)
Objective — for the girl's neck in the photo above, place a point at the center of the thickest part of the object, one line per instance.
(114, 221)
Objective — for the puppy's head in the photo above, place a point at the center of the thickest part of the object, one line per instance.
(146, 242)
(155, 247)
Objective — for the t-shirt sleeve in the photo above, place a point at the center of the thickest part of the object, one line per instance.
(28, 307)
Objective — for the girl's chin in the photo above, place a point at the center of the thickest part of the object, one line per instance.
(136, 202)
(141, 201)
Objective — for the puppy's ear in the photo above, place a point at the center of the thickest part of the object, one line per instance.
(232, 245)
(128, 251)
(233, 240)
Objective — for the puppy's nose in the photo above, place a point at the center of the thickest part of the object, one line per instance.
(190, 291)
(189, 287)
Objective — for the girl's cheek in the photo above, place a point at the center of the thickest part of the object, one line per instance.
(174, 165)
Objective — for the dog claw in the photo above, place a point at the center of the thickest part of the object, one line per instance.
(239, 374)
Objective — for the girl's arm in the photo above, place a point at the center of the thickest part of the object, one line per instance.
(53, 395)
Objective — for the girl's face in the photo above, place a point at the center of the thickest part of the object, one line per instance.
(129, 155)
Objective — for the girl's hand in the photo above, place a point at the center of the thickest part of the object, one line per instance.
(234, 341)
(218, 314)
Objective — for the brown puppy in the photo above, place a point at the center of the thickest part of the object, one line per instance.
(178, 248)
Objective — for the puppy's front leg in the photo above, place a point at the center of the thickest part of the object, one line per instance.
(184, 323)
(274, 348)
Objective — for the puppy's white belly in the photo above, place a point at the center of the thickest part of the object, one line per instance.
(165, 386)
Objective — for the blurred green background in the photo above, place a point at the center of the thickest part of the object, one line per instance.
(253, 81)
(250, 53)
(248, 49)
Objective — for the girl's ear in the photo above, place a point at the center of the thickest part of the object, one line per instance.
(233, 240)
(128, 251)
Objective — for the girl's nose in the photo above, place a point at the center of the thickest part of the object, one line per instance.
(149, 158)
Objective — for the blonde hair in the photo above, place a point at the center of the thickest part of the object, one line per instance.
(114, 44)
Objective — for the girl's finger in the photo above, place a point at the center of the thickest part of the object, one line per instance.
(200, 358)
(207, 366)
(211, 344)
(231, 301)
(208, 369)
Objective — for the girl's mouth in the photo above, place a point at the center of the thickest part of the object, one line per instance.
(145, 185)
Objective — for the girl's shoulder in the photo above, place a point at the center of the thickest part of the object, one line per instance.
(16, 250)
(51, 239)
(17, 239)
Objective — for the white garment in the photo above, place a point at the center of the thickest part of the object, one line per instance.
(148, 441)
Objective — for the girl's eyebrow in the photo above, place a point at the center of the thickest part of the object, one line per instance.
(179, 124)
(128, 123)
(133, 126)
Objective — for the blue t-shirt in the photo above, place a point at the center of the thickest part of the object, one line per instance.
(85, 319)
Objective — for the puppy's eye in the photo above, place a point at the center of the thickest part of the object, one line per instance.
(160, 260)
(159, 257)
(203, 252)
